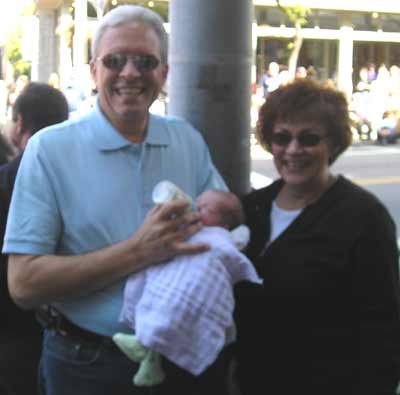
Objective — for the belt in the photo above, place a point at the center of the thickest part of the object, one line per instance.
(50, 318)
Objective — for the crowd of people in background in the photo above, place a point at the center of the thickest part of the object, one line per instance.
(374, 105)
(277, 75)
(78, 97)
(376, 102)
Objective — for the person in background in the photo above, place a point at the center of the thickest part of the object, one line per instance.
(394, 77)
(270, 80)
(387, 128)
(6, 150)
(75, 96)
(285, 77)
(327, 319)
(372, 73)
(312, 72)
(37, 106)
(15, 89)
(301, 72)
(363, 84)
(81, 218)
(3, 101)
(54, 80)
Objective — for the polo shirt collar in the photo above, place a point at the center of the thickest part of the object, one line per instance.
(107, 138)
(157, 133)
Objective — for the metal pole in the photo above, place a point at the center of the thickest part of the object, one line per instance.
(210, 79)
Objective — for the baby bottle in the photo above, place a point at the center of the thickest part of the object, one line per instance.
(166, 191)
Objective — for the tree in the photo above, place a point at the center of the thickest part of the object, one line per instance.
(13, 50)
(14, 55)
(296, 14)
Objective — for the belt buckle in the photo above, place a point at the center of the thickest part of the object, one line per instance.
(58, 325)
(45, 316)
(48, 317)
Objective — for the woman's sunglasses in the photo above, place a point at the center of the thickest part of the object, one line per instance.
(117, 61)
(306, 139)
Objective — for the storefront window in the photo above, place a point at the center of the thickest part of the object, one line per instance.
(391, 23)
(328, 20)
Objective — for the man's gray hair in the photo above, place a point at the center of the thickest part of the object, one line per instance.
(125, 14)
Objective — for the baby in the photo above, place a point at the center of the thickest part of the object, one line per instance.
(183, 308)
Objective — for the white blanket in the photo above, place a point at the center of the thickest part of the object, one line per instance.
(183, 308)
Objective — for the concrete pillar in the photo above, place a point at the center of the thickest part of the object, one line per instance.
(326, 45)
(210, 79)
(65, 68)
(386, 54)
(345, 58)
(48, 48)
(30, 43)
(80, 35)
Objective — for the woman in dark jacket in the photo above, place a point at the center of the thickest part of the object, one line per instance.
(327, 319)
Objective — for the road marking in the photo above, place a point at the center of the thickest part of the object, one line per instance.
(376, 180)
(371, 151)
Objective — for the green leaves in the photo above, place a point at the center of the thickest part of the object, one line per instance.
(297, 14)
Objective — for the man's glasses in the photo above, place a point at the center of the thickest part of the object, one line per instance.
(117, 61)
(306, 139)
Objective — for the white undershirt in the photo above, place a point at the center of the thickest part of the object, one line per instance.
(281, 219)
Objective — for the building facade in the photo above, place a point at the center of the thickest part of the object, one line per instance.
(339, 38)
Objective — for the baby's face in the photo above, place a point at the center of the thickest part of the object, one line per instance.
(208, 209)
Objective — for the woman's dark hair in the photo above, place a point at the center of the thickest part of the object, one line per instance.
(306, 100)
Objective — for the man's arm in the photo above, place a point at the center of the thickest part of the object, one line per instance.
(34, 280)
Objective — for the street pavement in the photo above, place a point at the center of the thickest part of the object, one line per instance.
(363, 175)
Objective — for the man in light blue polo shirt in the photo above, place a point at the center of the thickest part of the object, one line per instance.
(81, 218)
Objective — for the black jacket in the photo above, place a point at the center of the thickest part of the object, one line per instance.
(13, 319)
(327, 319)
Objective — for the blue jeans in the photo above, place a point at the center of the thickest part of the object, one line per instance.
(73, 367)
